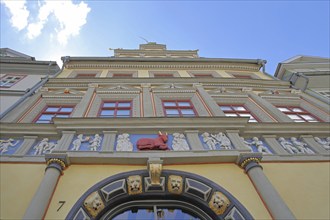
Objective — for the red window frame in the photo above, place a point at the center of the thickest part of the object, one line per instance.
(238, 112)
(116, 108)
(85, 76)
(179, 107)
(299, 114)
(163, 75)
(119, 75)
(242, 76)
(12, 75)
(55, 113)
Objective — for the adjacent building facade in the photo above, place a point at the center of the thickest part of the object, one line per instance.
(152, 133)
(20, 76)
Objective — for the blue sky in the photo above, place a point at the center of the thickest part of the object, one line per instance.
(271, 30)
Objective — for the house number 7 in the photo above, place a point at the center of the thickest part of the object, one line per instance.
(62, 203)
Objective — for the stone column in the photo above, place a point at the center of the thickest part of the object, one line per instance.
(209, 101)
(275, 204)
(65, 141)
(26, 145)
(147, 102)
(108, 141)
(316, 147)
(193, 140)
(39, 203)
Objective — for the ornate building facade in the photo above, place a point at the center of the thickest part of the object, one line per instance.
(152, 133)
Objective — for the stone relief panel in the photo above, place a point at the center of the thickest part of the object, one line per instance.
(44, 146)
(215, 141)
(324, 142)
(179, 142)
(294, 146)
(124, 143)
(257, 145)
(9, 146)
(86, 143)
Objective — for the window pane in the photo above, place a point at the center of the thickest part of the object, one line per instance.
(297, 110)
(124, 104)
(46, 117)
(187, 112)
(169, 104)
(225, 108)
(307, 117)
(245, 115)
(123, 112)
(107, 112)
(172, 112)
(299, 121)
(66, 109)
(42, 122)
(294, 117)
(62, 116)
(52, 109)
(109, 104)
(239, 108)
(284, 109)
(231, 115)
(183, 104)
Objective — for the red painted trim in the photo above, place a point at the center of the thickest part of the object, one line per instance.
(303, 112)
(177, 107)
(204, 104)
(55, 112)
(262, 109)
(233, 111)
(116, 108)
(85, 75)
(27, 112)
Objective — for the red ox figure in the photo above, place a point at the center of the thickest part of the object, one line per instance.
(158, 143)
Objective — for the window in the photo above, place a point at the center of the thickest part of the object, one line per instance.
(83, 76)
(203, 75)
(178, 109)
(51, 112)
(162, 75)
(10, 80)
(116, 109)
(297, 114)
(237, 111)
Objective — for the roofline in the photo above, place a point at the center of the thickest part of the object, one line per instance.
(151, 59)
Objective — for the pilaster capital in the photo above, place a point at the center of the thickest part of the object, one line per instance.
(57, 161)
(248, 161)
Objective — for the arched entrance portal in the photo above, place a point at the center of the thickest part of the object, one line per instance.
(180, 195)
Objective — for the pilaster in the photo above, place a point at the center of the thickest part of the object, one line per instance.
(65, 141)
(236, 140)
(193, 140)
(109, 141)
(316, 147)
(147, 102)
(274, 145)
(82, 106)
(209, 101)
(26, 145)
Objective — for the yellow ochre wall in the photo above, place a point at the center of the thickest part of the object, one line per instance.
(305, 187)
(18, 183)
(77, 179)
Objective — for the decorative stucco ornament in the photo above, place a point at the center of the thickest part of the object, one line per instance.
(288, 146)
(247, 144)
(325, 144)
(95, 142)
(218, 139)
(78, 141)
(260, 146)
(175, 184)
(94, 204)
(124, 143)
(302, 147)
(44, 147)
(158, 143)
(134, 185)
(179, 142)
(219, 203)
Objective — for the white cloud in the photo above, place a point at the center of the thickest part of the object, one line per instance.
(19, 13)
(69, 18)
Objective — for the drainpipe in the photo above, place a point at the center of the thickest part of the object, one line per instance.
(31, 91)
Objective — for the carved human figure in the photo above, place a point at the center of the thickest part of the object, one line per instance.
(48, 149)
(209, 141)
(325, 144)
(124, 143)
(247, 144)
(39, 148)
(260, 146)
(95, 143)
(288, 146)
(77, 143)
(223, 140)
(5, 144)
(179, 142)
(302, 147)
